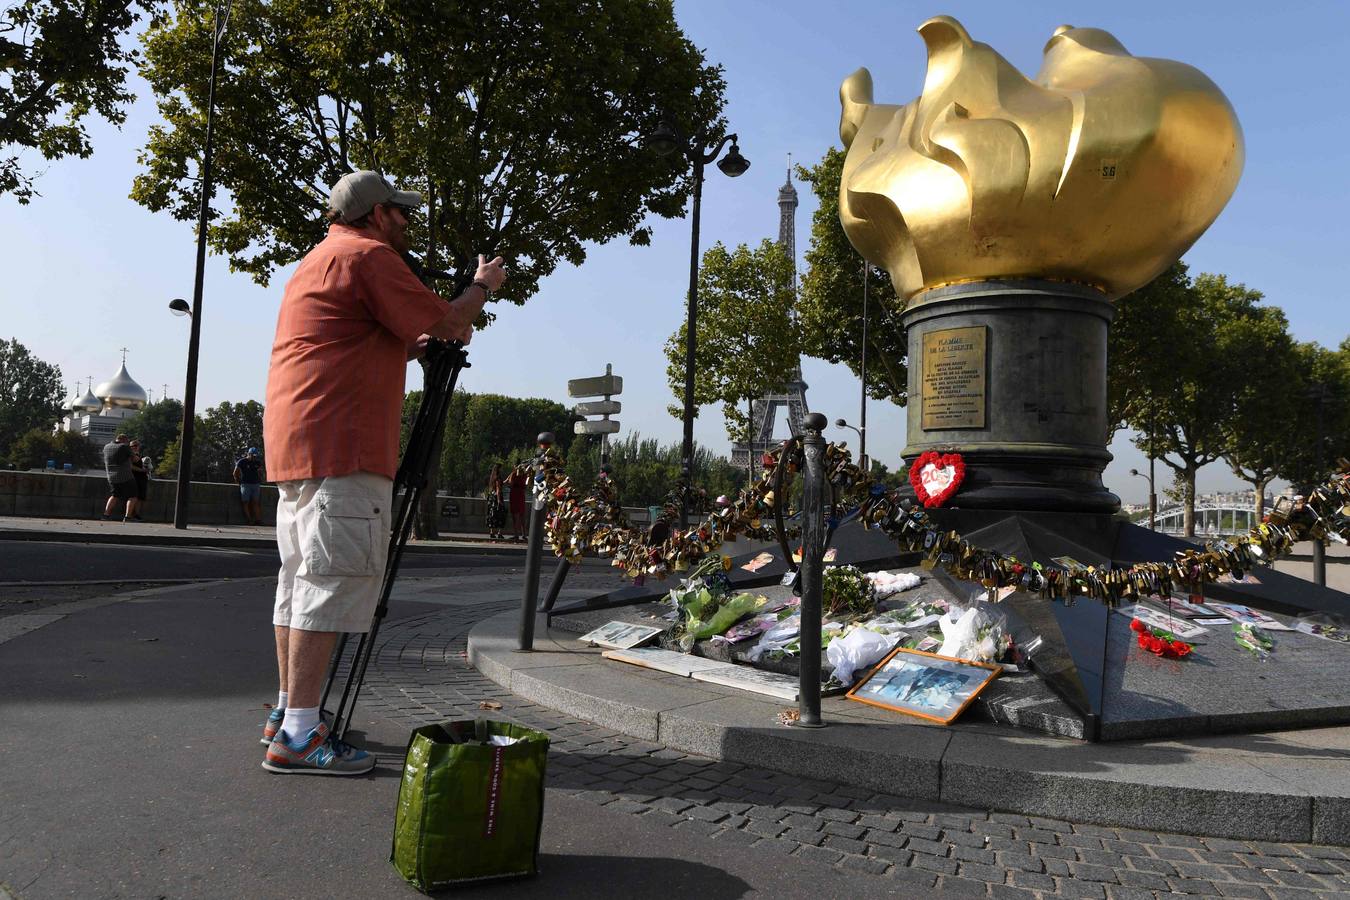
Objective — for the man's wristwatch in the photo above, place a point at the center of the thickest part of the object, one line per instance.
(482, 285)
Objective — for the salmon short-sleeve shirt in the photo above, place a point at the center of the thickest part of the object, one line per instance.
(335, 389)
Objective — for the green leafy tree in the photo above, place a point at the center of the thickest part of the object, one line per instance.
(830, 308)
(156, 426)
(460, 101)
(1184, 388)
(747, 343)
(60, 60)
(30, 392)
(220, 436)
(1259, 441)
(483, 429)
(463, 101)
(1316, 413)
(644, 471)
(1146, 339)
(34, 449)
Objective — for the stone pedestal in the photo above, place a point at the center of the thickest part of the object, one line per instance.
(1012, 375)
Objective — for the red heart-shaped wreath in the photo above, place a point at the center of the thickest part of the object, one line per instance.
(936, 476)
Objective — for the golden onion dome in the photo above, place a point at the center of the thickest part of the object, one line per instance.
(87, 403)
(122, 391)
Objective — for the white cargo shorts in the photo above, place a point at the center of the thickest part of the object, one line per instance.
(333, 534)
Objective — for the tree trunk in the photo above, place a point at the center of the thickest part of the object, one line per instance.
(1188, 514)
(750, 438)
(1259, 505)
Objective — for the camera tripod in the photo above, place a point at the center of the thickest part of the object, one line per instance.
(442, 365)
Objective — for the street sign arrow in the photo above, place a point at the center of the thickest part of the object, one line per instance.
(599, 386)
(603, 426)
(599, 408)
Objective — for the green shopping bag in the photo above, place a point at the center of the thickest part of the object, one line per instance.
(468, 809)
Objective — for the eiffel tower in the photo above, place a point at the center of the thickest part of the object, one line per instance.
(791, 394)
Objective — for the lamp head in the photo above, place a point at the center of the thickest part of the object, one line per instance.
(733, 164)
(179, 307)
(1134, 471)
(664, 139)
(841, 423)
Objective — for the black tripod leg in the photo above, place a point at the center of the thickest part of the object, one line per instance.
(412, 476)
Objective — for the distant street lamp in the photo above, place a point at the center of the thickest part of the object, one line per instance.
(1152, 499)
(862, 443)
(220, 17)
(179, 307)
(862, 422)
(669, 138)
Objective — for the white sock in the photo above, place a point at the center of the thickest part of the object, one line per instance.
(281, 700)
(300, 722)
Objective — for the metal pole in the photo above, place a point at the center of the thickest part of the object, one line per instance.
(1319, 550)
(190, 391)
(691, 340)
(813, 544)
(1152, 491)
(862, 424)
(533, 551)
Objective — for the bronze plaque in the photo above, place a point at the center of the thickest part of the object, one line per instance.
(954, 378)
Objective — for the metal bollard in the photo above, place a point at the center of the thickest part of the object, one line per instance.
(533, 552)
(812, 573)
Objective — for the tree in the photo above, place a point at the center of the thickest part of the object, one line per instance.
(643, 471)
(157, 426)
(483, 429)
(220, 437)
(746, 340)
(1185, 387)
(34, 449)
(830, 309)
(1258, 441)
(61, 60)
(1147, 338)
(30, 392)
(1316, 413)
(461, 101)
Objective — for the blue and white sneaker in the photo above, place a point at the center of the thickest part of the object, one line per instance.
(318, 754)
(272, 726)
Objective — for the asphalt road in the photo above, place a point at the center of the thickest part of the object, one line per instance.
(42, 561)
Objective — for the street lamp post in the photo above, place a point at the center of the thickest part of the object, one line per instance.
(220, 16)
(862, 413)
(862, 443)
(1152, 499)
(667, 139)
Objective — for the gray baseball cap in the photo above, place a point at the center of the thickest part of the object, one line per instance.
(357, 193)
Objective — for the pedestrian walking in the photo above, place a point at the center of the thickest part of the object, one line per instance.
(141, 476)
(351, 317)
(248, 474)
(496, 511)
(517, 486)
(121, 483)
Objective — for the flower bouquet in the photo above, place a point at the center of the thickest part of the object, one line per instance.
(1159, 642)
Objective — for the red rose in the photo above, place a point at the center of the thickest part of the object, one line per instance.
(1138, 626)
(1181, 648)
(1155, 645)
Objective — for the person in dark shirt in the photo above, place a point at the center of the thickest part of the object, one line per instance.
(121, 483)
(248, 472)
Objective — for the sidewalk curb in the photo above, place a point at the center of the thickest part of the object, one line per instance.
(1200, 786)
(198, 539)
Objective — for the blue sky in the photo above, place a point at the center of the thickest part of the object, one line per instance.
(88, 271)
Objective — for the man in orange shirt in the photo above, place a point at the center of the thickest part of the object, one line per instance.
(351, 317)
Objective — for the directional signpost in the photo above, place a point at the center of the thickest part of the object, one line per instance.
(606, 385)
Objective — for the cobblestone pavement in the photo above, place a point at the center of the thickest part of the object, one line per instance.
(420, 674)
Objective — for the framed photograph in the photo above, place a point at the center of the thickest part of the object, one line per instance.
(620, 635)
(932, 687)
(1189, 606)
(1156, 618)
(1239, 613)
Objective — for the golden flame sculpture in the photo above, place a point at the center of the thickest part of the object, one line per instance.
(1102, 171)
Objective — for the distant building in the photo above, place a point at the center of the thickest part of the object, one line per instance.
(99, 414)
